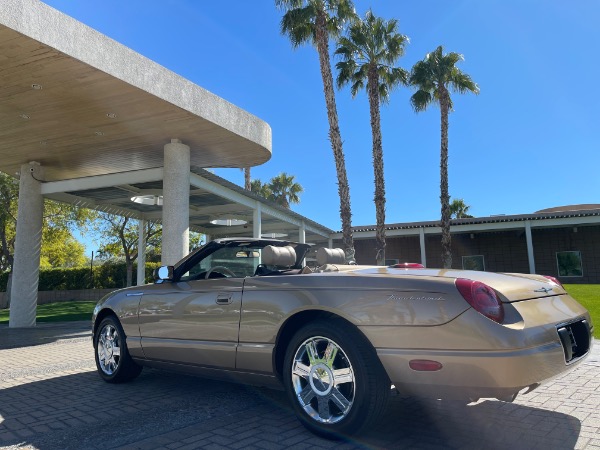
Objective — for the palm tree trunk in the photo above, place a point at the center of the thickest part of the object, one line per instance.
(322, 38)
(247, 180)
(444, 196)
(373, 90)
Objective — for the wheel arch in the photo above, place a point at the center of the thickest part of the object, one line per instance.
(103, 314)
(297, 321)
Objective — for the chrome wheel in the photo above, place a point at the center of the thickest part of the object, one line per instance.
(109, 349)
(323, 380)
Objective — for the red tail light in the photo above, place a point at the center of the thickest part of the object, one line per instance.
(553, 280)
(408, 265)
(482, 298)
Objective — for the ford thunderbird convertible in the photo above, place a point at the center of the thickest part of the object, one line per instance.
(340, 338)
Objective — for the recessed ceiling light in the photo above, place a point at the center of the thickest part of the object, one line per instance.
(25, 116)
(148, 200)
(273, 235)
(37, 87)
(99, 133)
(228, 222)
(111, 115)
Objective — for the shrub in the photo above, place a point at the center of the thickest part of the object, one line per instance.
(105, 276)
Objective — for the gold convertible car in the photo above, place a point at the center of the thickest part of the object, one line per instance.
(339, 337)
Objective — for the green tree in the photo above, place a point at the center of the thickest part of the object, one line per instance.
(285, 190)
(61, 249)
(315, 22)
(59, 246)
(433, 79)
(119, 237)
(9, 194)
(459, 209)
(369, 52)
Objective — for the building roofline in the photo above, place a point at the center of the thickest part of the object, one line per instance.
(483, 220)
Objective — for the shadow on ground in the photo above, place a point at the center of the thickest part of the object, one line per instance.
(81, 411)
(43, 333)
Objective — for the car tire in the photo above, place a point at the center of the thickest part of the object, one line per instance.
(334, 379)
(113, 361)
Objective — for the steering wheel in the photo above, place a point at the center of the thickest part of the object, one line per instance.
(220, 269)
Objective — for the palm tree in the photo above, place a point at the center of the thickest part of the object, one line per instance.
(315, 22)
(261, 189)
(459, 209)
(368, 54)
(285, 190)
(433, 77)
(247, 179)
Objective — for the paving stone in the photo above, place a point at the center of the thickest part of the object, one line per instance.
(49, 405)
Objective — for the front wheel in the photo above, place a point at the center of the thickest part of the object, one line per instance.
(334, 379)
(112, 358)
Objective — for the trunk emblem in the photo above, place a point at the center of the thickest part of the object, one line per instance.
(543, 289)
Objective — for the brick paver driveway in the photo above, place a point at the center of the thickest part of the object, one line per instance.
(51, 397)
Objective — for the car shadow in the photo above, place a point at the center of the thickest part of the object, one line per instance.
(159, 408)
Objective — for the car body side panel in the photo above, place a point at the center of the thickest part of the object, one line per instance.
(362, 300)
(126, 309)
(185, 323)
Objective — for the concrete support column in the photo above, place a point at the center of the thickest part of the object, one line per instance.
(330, 243)
(257, 221)
(529, 240)
(28, 242)
(422, 245)
(176, 202)
(141, 268)
(302, 233)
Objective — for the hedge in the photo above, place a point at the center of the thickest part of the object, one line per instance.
(106, 276)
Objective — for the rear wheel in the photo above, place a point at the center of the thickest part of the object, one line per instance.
(112, 357)
(334, 379)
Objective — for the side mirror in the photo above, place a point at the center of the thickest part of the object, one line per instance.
(163, 273)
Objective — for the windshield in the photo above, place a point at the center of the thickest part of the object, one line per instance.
(234, 258)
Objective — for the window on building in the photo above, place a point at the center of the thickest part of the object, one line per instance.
(473, 262)
(569, 264)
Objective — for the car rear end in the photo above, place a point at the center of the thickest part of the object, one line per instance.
(515, 333)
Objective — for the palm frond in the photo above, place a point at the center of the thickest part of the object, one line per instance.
(420, 100)
(462, 83)
(299, 25)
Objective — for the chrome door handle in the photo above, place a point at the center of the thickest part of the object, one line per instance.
(223, 298)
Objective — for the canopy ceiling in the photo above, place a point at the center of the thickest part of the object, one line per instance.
(211, 197)
(82, 104)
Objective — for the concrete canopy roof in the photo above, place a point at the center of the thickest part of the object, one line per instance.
(211, 197)
(103, 108)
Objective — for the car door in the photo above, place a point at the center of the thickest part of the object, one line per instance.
(192, 321)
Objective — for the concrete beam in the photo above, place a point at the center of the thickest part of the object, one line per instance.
(103, 181)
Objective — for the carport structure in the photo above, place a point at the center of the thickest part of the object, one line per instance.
(85, 120)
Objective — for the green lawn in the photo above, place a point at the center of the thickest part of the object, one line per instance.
(59, 312)
(589, 296)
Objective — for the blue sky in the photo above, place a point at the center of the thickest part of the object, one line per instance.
(530, 140)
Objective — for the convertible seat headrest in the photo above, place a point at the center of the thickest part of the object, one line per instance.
(330, 256)
(279, 256)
